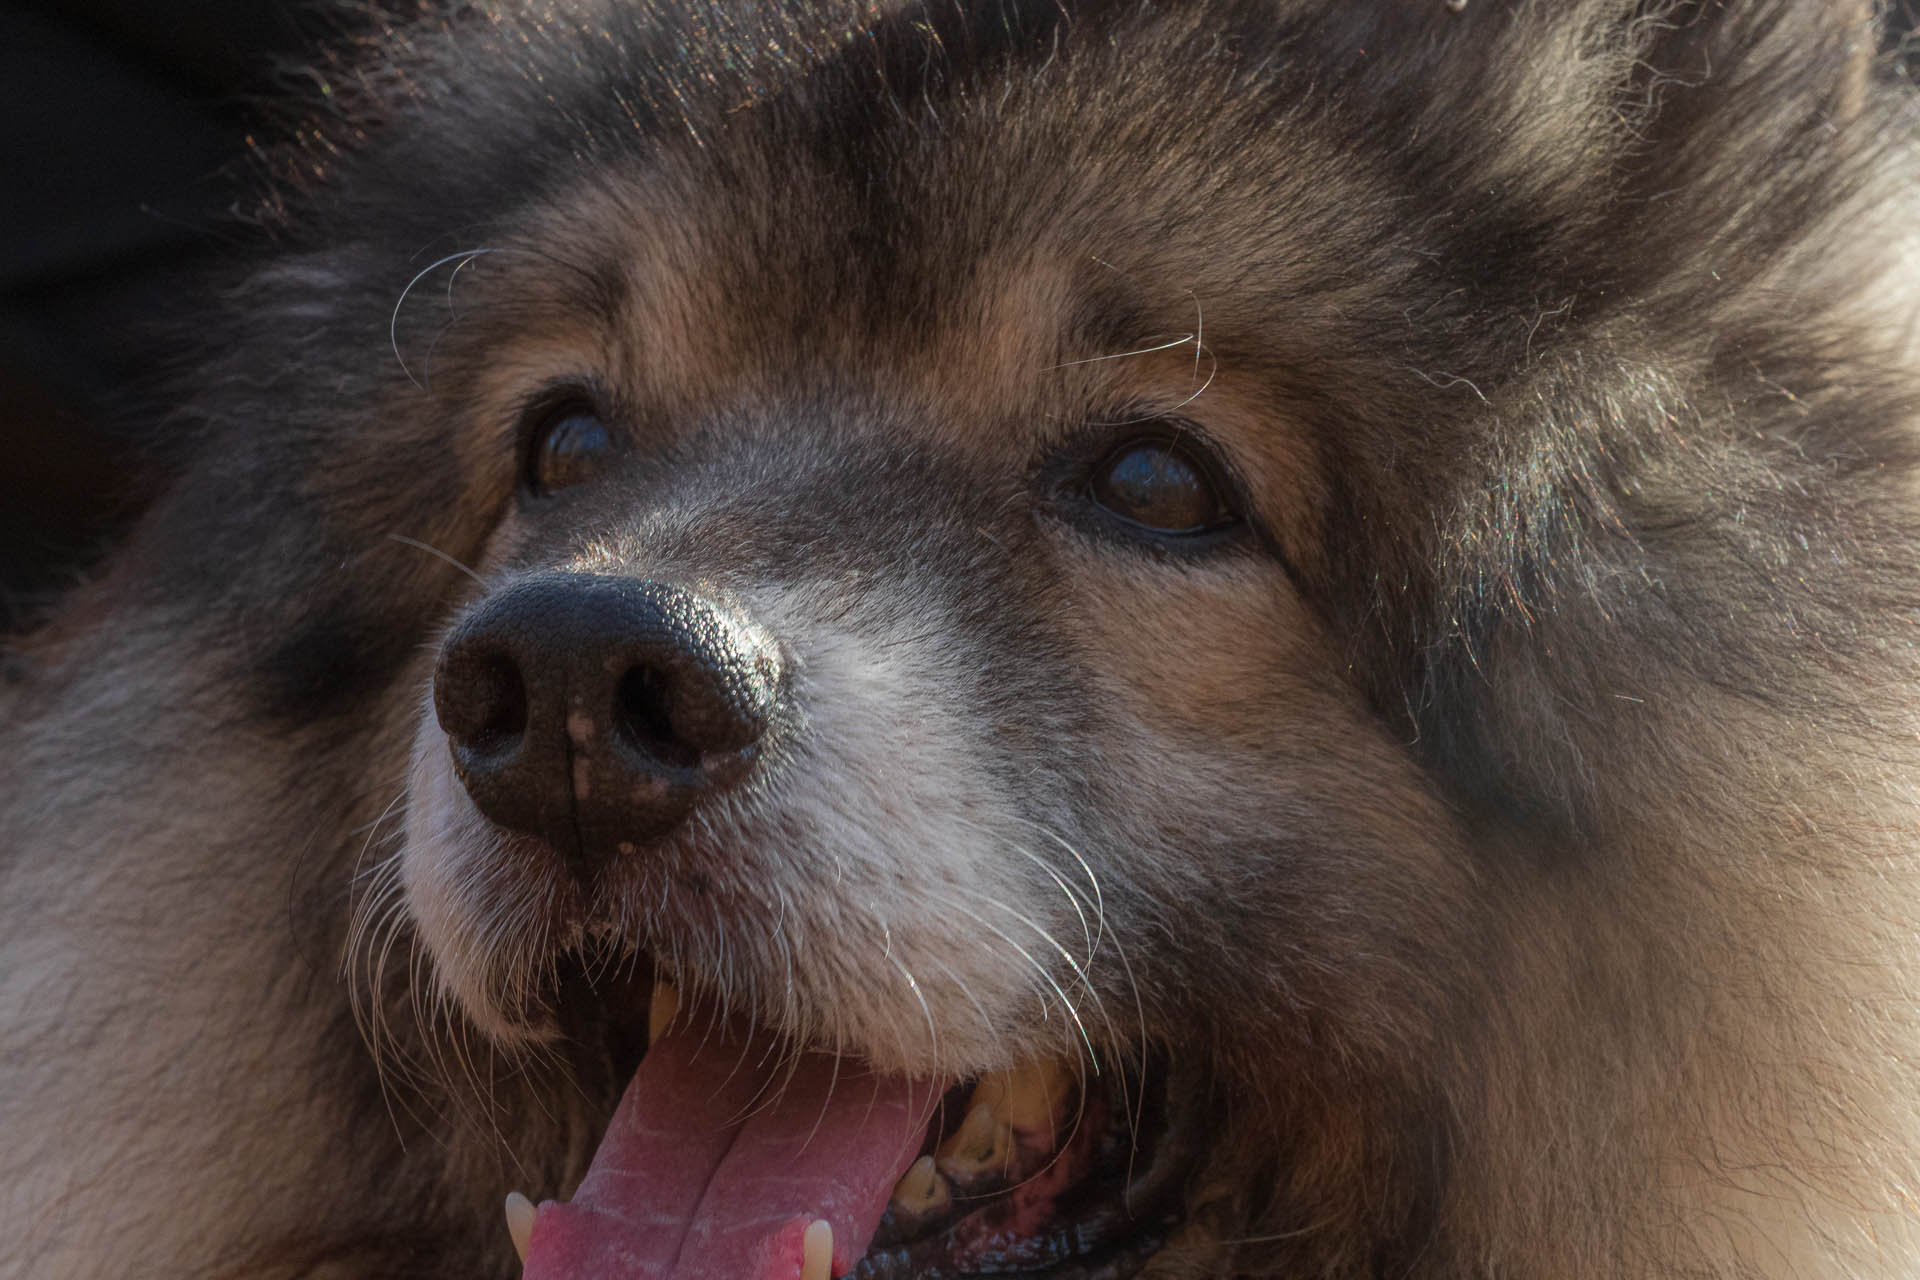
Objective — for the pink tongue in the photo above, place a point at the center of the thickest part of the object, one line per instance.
(717, 1160)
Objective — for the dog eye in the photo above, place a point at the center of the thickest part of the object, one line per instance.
(570, 446)
(1155, 484)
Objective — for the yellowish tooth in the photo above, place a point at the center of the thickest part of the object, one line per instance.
(1030, 1099)
(982, 1145)
(660, 1010)
(921, 1192)
(816, 1250)
(520, 1216)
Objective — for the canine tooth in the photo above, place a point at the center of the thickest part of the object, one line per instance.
(921, 1192)
(660, 1010)
(981, 1146)
(816, 1250)
(1029, 1099)
(520, 1216)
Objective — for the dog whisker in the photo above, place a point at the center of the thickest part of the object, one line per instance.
(966, 991)
(1199, 330)
(463, 257)
(1179, 340)
(926, 1012)
(432, 550)
(1039, 970)
(1137, 1101)
(1093, 884)
(1213, 370)
(1073, 898)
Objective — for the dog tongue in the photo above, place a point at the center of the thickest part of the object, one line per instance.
(720, 1155)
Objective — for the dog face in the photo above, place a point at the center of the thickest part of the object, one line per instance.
(1326, 582)
(998, 723)
(1030, 644)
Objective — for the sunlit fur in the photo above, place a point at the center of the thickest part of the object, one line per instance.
(1504, 842)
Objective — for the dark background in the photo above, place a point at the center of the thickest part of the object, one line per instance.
(123, 127)
(122, 165)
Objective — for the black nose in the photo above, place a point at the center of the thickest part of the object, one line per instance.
(594, 711)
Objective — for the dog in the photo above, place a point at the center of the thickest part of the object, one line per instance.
(998, 636)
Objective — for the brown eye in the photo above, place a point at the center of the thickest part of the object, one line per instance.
(570, 446)
(1153, 484)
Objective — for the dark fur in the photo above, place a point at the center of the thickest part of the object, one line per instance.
(1510, 839)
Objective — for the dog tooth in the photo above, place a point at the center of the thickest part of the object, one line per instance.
(980, 1147)
(816, 1250)
(1030, 1099)
(660, 1010)
(520, 1216)
(921, 1192)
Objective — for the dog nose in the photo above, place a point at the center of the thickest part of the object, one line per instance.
(594, 711)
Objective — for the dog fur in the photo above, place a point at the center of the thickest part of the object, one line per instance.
(1506, 837)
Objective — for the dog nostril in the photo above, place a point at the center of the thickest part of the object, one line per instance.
(481, 699)
(640, 711)
(503, 698)
(710, 691)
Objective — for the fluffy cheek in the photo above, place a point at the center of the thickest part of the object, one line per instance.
(1289, 843)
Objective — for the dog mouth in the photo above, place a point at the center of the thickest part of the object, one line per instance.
(732, 1156)
(1043, 1174)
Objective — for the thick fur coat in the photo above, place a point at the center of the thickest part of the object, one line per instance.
(1495, 833)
